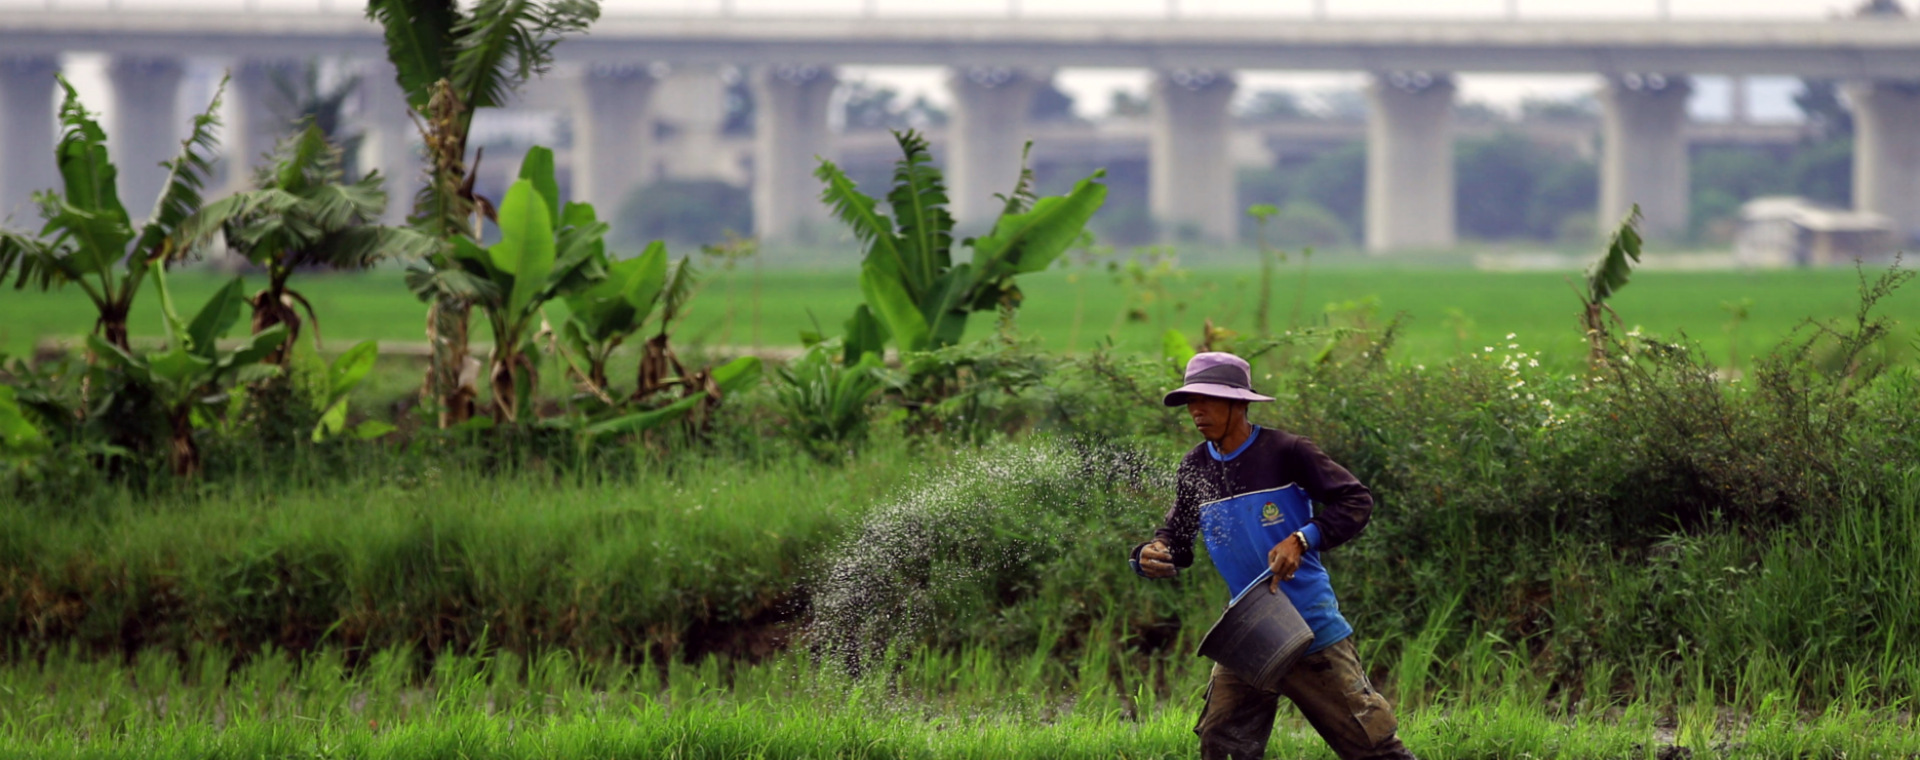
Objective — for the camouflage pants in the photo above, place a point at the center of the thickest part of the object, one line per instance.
(1331, 690)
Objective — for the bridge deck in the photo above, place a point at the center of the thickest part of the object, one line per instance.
(1837, 48)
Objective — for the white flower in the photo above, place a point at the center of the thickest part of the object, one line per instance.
(1488, 349)
(1510, 336)
(1533, 362)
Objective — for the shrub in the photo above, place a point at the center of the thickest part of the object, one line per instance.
(685, 212)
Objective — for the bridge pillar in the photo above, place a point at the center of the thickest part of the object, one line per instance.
(990, 110)
(790, 137)
(1886, 152)
(692, 103)
(26, 134)
(1644, 153)
(390, 139)
(1410, 161)
(1191, 185)
(146, 128)
(612, 135)
(266, 116)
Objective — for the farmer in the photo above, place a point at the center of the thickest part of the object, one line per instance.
(1247, 488)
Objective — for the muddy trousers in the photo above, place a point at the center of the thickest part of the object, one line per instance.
(1331, 690)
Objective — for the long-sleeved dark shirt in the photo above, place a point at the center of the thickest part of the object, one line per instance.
(1272, 459)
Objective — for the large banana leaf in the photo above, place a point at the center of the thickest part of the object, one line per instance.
(895, 307)
(504, 42)
(258, 346)
(1610, 273)
(537, 168)
(944, 306)
(526, 247)
(919, 201)
(419, 37)
(215, 318)
(29, 260)
(1031, 241)
(866, 334)
(858, 211)
(90, 209)
(732, 377)
(620, 303)
(186, 175)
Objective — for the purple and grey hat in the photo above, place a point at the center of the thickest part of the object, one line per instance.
(1217, 374)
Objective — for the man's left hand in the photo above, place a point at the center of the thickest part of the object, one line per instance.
(1283, 559)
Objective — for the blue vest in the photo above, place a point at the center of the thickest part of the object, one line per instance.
(1241, 529)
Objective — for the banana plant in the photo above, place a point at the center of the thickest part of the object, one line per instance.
(915, 295)
(302, 215)
(824, 399)
(604, 315)
(545, 251)
(705, 389)
(452, 59)
(88, 240)
(1607, 277)
(189, 375)
(638, 292)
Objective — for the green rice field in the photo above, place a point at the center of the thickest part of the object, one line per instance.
(1447, 311)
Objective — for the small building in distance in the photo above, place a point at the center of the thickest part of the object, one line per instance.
(1784, 231)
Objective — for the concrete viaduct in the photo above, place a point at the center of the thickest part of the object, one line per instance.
(612, 79)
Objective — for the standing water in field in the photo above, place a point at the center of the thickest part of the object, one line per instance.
(971, 534)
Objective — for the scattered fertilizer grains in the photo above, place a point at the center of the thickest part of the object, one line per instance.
(551, 706)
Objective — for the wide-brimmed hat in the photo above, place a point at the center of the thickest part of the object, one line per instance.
(1219, 375)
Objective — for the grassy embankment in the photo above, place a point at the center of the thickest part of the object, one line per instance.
(1449, 310)
(466, 614)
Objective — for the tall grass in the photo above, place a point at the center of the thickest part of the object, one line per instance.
(636, 556)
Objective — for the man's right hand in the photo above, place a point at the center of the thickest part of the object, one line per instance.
(1156, 560)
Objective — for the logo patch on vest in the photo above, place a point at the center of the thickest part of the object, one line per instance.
(1270, 515)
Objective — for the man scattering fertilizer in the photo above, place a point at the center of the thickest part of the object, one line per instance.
(1247, 488)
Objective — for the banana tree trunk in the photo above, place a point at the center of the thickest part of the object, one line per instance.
(507, 373)
(449, 386)
(113, 328)
(183, 455)
(659, 368)
(269, 309)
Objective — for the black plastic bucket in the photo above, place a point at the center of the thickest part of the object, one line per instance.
(1259, 637)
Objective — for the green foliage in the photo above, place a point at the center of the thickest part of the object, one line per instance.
(1616, 265)
(688, 212)
(914, 292)
(344, 373)
(20, 441)
(1336, 181)
(1511, 187)
(604, 315)
(733, 377)
(826, 401)
(486, 51)
(302, 214)
(185, 377)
